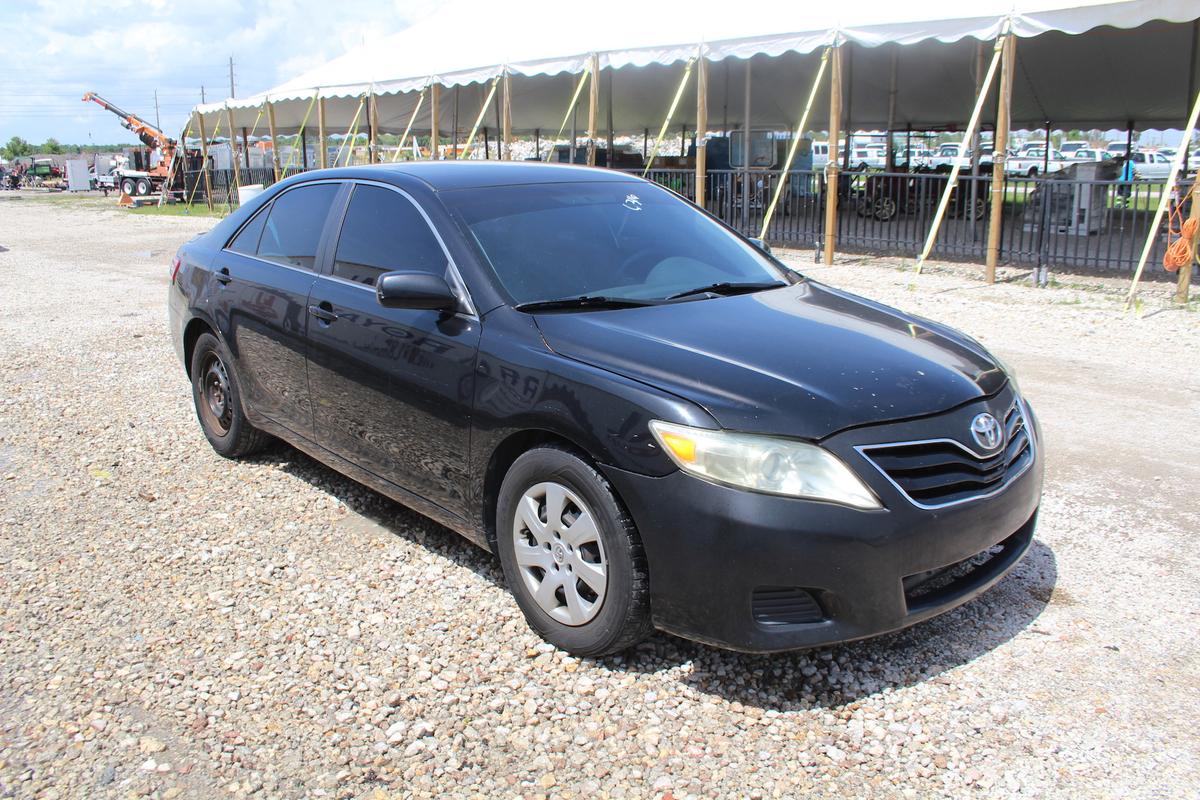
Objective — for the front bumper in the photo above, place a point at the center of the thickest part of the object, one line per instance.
(714, 552)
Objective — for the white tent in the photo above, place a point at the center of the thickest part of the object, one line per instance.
(1105, 64)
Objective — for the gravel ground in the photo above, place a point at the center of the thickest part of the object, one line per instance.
(176, 625)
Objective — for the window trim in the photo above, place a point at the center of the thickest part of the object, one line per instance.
(266, 209)
(467, 305)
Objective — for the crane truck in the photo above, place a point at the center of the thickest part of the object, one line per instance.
(134, 181)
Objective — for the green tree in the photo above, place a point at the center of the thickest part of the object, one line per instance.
(16, 148)
(52, 146)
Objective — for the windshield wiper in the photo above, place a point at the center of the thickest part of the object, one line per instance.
(727, 288)
(584, 301)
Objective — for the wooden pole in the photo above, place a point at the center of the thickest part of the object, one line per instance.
(454, 138)
(593, 109)
(610, 119)
(435, 107)
(274, 139)
(701, 125)
(322, 154)
(889, 159)
(1164, 201)
(507, 122)
(747, 189)
(1000, 156)
(1185, 272)
(831, 169)
(237, 170)
(204, 162)
(952, 179)
(372, 127)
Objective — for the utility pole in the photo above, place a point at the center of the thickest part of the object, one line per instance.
(202, 97)
(157, 121)
(232, 93)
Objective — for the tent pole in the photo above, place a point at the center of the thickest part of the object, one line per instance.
(372, 128)
(237, 172)
(1128, 139)
(574, 132)
(956, 170)
(204, 162)
(593, 109)
(435, 128)
(701, 125)
(246, 148)
(1046, 151)
(487, 145)
(507, 155)
(848, 73)
(499, 125)
(454, 145)
(980, 55)
(609, 160)
(274, 139)
(831, 169)
(1185, 272)
(322, 148)
(645, 142)
(537, 143)
(746, 150)
(1000, 155)
(1153, 234)
(890, 156)
(304, 149)
(908, 165)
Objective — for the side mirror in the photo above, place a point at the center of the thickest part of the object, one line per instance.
(415, 290)
(761, 245)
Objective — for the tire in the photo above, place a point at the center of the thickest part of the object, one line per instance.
(128, 186)
(1033, 172)
(218, 401)
(599, 619)
(143, 186)
(885, 208)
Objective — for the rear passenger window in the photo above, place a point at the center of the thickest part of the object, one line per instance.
(246, 242)
(384, 231)
(293, 228)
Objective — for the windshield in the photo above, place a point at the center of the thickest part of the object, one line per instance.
(613, 240)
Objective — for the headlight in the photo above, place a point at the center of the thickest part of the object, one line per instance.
(763, 464)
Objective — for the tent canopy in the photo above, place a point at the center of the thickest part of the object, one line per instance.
(1100, 65)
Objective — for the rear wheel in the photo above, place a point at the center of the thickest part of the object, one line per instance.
(128, 186)
(571, 554)
(219, 402)
(143, 186)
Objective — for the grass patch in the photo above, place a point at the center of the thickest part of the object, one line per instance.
(219, 210)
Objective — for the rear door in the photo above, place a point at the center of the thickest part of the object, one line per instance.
(264, 277)
(392, 387)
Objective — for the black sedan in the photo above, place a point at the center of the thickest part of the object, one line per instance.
(649, 419)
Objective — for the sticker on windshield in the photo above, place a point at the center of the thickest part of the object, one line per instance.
(632, 202)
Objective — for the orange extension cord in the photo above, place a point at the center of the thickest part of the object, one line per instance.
(1181, 251)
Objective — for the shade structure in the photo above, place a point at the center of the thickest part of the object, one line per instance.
(1102, 65)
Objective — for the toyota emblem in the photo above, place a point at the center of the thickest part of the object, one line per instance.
(986, 431)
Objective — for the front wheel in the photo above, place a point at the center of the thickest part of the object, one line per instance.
(219, 401)
(571, 554)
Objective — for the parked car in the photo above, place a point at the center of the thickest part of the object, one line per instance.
(1115, 149)
(650, 420)
(1148, 166)
(864, 158)
(947, 154)
(1085, 154)
(1033, 162)
(1069, 147)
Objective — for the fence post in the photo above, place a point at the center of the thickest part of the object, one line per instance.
(1000, 156)
(831, 169)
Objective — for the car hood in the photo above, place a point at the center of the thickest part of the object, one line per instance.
(804, 360)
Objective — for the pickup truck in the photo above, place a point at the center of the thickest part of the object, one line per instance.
(1033, 162)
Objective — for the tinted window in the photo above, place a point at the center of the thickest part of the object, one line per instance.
(293, 228)
(246, 242)
(383, 231)
(620, 240)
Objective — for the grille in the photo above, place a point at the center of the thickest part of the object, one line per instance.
(942, 472)
(932, 588)
(784, 605)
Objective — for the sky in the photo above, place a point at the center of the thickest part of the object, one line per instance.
(125, 50)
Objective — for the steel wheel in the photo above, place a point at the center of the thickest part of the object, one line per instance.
(217, 405)
(559, 554)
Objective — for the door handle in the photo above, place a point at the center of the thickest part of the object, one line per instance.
(223, 277)
(323, 312)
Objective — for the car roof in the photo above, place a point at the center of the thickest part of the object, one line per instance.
(451, 175)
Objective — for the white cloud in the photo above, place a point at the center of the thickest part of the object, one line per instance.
(127, 49)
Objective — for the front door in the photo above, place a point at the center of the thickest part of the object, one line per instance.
(391, 387)
(264, 278)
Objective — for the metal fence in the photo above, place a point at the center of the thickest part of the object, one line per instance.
(1093, 226)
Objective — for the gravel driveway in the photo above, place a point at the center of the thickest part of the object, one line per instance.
(176, 625)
